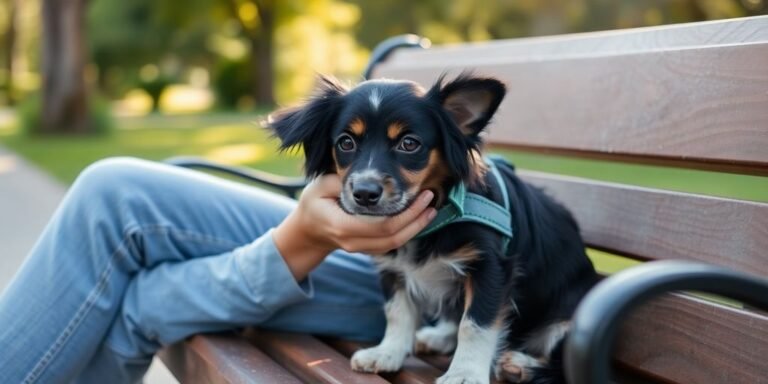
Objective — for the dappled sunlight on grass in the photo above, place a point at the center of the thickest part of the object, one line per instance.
(8, 123)
(227, 133)
(156, 138)
(237, 154)
(186, 99)
(135, 103)
(227, 137)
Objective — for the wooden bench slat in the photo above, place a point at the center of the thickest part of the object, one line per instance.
(414, 371)
(222, 359)
(308, 358)
(703, 107)
(620, 41)
(658, 224)
(688, 340)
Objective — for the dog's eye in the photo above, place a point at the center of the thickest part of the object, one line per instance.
(408, 144)
(346, 143)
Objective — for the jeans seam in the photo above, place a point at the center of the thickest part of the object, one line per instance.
(77, 319)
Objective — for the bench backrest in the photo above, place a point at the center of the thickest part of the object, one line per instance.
(690, 96)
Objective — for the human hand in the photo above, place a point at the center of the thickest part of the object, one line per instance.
(318, 226)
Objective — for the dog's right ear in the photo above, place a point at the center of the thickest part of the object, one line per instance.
(310, 126)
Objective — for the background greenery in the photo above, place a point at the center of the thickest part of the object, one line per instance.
(196, 77)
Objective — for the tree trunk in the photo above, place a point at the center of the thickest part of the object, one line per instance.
(9, 45)
(64, 102)
(262, 56)
(260, 39)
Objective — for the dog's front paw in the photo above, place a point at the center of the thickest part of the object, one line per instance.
(435, 339)
(378, 359)
(462, 378)
(515, 367)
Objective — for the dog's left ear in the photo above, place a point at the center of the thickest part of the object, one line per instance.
(310, 126)
(470, 101)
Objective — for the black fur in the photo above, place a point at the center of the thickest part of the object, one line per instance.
(544, 271)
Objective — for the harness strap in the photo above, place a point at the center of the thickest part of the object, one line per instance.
(463, 206)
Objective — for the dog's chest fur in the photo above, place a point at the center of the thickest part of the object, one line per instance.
(432, 282)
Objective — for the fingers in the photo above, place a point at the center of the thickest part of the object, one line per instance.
(359, 227)
(381, 245)
(397, 223)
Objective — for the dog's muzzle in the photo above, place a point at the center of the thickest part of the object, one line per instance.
(367, 192)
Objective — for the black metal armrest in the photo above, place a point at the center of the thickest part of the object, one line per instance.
(388, 46)
(288, 185)
(597, 319)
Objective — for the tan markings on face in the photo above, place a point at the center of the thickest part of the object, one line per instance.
(394, 130)
(389, 187)
(342, 172)
(357, 127)
(431, 177)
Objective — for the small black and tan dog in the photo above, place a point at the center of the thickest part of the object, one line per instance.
(502, 302)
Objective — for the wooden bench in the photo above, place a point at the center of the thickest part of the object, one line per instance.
(691, 96)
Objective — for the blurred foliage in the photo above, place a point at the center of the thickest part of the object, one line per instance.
(310, 37)
(100, 116)
(154, 87)
(458, 21)
(232, 82)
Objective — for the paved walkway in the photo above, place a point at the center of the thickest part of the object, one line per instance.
(28, 197)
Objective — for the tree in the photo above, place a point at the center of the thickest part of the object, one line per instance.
(257, 20)
(9, 43)
(64, 101)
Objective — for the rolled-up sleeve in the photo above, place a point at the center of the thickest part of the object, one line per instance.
(264, 270)
(242, 287)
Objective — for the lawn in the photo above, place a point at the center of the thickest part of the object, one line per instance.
(227, 138)
(238, 139)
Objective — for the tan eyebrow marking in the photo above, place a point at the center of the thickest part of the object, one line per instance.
(394, 130)
(357, 127)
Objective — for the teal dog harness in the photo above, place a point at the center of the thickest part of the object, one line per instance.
(463, 206)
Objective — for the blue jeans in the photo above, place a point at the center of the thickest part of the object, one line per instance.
(141, 255)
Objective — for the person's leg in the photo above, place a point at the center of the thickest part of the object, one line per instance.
(145, 229)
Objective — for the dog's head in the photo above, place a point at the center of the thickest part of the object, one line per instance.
(389, 140)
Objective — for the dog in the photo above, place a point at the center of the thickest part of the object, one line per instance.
(501, 302)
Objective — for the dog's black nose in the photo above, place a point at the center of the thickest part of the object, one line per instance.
(367, 193)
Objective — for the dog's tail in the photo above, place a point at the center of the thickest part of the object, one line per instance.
(553, 372)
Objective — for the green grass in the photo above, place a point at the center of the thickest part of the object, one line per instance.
(229, 138)
(683, 180)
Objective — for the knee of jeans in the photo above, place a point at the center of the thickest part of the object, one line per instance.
(110, 178)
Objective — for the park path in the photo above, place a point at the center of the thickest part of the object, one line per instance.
(28, 198)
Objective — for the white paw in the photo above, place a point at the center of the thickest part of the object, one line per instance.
(433, 339)
(378, 359)
(515, 367)
(463, 377)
